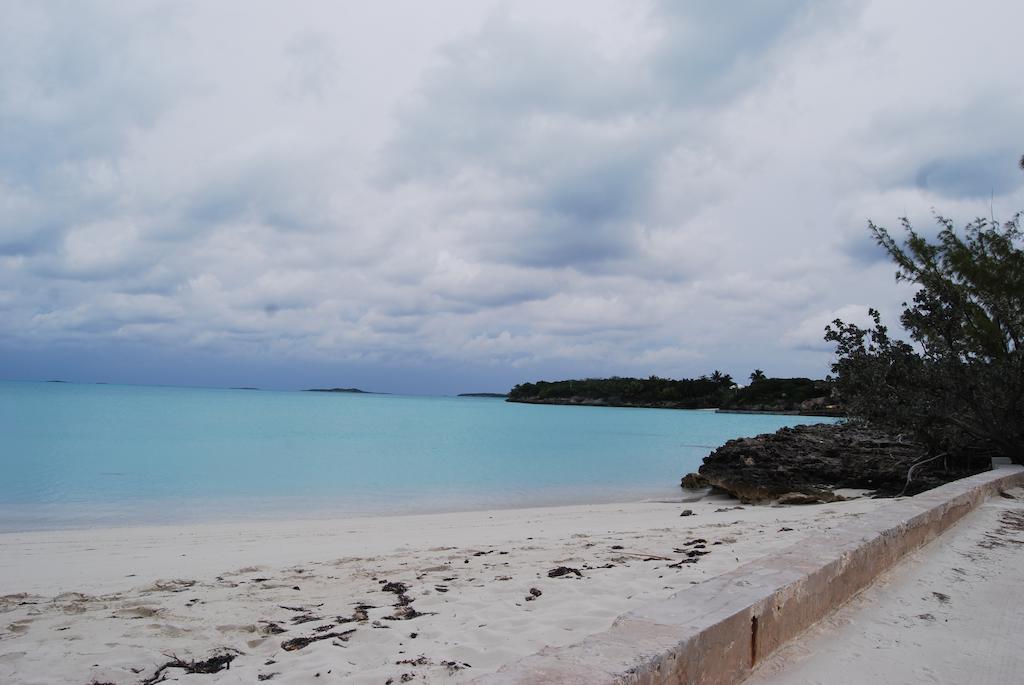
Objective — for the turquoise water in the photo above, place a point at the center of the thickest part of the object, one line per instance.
(87, 455)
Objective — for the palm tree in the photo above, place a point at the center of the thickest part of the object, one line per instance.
(721, 378)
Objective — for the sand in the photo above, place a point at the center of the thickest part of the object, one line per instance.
(948, 614)
(112, 605)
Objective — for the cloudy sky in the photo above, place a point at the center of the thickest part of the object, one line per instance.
(458, 195)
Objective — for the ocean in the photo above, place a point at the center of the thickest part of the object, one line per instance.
(77, 455)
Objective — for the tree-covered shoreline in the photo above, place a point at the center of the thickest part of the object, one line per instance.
(920, 413)
(715, 391)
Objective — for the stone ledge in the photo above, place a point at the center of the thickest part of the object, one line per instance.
(713, 633)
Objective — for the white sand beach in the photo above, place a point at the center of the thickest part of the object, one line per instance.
(113, 605)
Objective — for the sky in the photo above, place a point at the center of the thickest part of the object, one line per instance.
(461, 195)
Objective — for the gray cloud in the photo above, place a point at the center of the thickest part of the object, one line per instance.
(576, 140)
(315, 67)
(79, 79)
(711, 51)
(974, 175)
(593, 188)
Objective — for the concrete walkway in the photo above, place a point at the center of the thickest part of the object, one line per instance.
(951, 613)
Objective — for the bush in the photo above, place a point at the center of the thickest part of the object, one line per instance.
(960, 390)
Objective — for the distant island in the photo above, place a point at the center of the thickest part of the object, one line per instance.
(244, 387)
(350, 390)
(482, 394)
(800, 396)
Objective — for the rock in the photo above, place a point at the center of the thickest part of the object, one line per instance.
(813, 404)
(686, 512)
(799, 498)
(808, 462)
(694, 481)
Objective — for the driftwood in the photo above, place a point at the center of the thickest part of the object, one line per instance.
(215, 664)
(297, 643)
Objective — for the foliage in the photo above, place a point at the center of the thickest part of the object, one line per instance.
(714, 390)
(778, 394)
(961, 389)
(690, 393)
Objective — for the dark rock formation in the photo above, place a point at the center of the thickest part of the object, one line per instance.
(694, 481)
(810, 461)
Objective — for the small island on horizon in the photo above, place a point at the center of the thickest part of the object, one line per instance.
(355, 391)
(483, 394)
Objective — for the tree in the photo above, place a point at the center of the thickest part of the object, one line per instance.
(758, 375)
(961, 390)
(723, 379)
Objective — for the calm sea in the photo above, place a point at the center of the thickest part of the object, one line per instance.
(89, 455)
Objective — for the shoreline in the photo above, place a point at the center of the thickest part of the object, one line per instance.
(584, 402)
(296, 535)
(134, 594)
(243, 514)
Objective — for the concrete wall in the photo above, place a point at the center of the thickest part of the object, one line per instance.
(713, 633)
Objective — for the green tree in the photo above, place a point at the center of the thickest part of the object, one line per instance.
(960, 390)
(720, 378)
(757, 375)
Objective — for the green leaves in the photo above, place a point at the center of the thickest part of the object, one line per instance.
(963, 387)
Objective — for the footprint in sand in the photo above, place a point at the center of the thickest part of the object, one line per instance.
(239, 628)
(173, 585)
(8, 602)
(167, 630)
(137, 611)
(73, 602)
(20, 626)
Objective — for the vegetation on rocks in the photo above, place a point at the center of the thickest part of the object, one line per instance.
(959, 388)
(921, 412)
(814, 460)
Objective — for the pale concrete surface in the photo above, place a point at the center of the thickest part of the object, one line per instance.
(718, 631)
(949, 613)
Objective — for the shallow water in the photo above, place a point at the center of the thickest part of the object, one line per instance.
(85, 455)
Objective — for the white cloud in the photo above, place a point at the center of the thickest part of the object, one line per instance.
(809, 333)
(600, 187)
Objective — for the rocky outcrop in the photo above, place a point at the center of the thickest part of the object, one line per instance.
(694, 481)
(809, 462)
